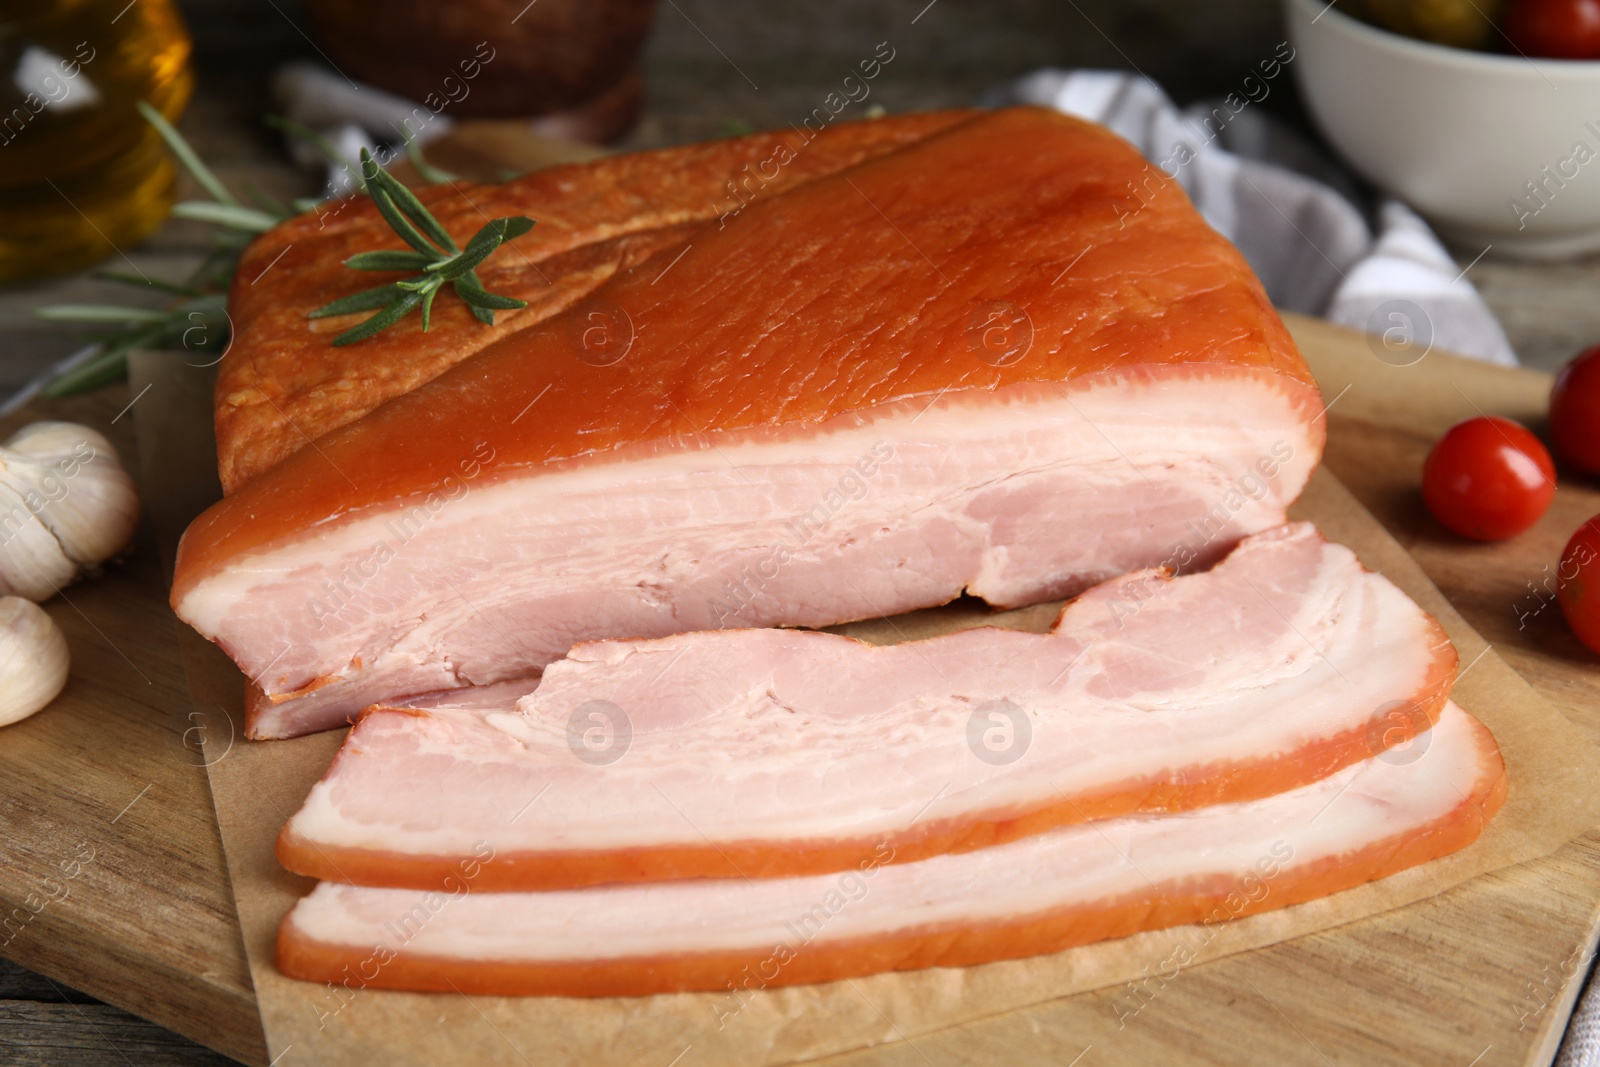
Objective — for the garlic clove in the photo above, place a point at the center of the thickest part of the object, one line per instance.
(32, 563)
(69, 476)
(33, 659)
(51, 440)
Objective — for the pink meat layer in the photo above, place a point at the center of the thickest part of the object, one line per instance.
(767, 753)
(1036, 895)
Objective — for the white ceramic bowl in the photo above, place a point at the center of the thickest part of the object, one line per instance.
(1463, 137)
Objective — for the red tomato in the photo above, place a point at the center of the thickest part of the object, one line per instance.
(1575, 411)
(1578, 583)
(1555, 29)
(1488, 479)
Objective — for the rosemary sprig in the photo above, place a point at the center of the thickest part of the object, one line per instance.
(436, 256)
(196, 319)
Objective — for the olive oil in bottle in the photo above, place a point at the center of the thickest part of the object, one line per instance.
(82, 174)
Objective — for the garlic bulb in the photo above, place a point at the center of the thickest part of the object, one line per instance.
(33, 659)
(66, 505)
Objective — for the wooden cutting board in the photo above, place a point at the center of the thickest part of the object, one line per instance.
(110, 781)
(114, 769)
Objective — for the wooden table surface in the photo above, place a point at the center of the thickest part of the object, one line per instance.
(794, 55)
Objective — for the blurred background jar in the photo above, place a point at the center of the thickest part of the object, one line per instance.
(82, 175)
(569, 65)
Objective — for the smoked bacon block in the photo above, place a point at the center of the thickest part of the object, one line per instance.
(768, 753)
(964, 365)
(1039, 894)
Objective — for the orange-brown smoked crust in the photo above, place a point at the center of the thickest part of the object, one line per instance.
(842, 296)
(1221, 783)
(282, 384)
(1172, 905)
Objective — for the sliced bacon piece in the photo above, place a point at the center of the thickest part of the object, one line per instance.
(766, 753)
(1040, 894)
(962, 365)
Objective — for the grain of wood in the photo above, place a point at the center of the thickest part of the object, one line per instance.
(91, 1035)
(46, 1022)
(19, 983)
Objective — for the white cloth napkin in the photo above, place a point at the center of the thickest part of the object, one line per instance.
(1289, 209)
(1581, 1046)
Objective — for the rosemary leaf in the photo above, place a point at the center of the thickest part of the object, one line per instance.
(153, 335)
(102, 370)
(406, 201)
(233, 215)
(427, 306)
(479, 298)
(456, 266)
(427, 171)
(185, 154)
(469, 282)
(203, 293)
(395, 260)
(366, 300)
(112, 362)
(234, 241)
(265, 200)
(381, 321)
(398, 222)
(497, 232)
(99, 313)
(482, 246)
(124, 278)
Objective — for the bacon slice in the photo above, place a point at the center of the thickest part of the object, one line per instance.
(963, 365)
(767, 753)
(1040, 894)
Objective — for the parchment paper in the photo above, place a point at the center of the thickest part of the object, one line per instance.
(1555, 795)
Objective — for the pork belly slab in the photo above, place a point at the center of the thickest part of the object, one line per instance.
(766, 753)
(963, 365)
(1039, 894)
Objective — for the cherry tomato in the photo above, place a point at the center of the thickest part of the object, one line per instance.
(1578, 583)
(1555, 29)
(1488, 479)
(1575, 412)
